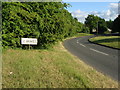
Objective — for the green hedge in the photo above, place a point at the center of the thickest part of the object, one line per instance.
(49, 22)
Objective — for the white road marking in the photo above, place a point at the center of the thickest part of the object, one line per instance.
(99, 51)
(82, 45)
(77, 41)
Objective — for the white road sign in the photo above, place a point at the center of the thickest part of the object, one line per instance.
(29, 41)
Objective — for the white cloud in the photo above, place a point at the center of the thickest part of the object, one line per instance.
(111, 13)
(108, 12)
(114, 7)
(80, 15)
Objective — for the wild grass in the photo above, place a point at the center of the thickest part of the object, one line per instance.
(82, 34)
(112, 41)
(51, 68)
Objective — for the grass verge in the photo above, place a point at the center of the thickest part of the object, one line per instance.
(111, 41)
(82, 34)
(79, 35)
(52, 68)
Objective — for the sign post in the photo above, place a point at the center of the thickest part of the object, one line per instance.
(29, 41)
(29, 46)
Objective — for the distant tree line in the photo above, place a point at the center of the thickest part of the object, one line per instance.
(98, 25)
(49, 22)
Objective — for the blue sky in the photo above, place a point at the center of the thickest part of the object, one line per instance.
(106, 10)
(91, 0)
(88, 6)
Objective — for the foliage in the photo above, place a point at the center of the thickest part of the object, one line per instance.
(97, 23)
(85, 29)
(109, 24)
(49, 22)
(91, 22)
(116, 25)
(102, 27)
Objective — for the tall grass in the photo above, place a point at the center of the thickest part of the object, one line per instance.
(52, 68)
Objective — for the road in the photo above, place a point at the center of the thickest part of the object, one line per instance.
(101, 58)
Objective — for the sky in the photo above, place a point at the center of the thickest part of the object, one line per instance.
(106, 10)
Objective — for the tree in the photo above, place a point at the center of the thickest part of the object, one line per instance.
(109, 24)
(102, 27)
(95, 23)
(116, 25)
(91, 22)
(49, 22)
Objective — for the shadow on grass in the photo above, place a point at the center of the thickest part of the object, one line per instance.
(108, 40)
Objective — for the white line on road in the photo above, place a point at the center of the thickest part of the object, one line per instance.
(82, 45)
(77, 41)
(98, 51)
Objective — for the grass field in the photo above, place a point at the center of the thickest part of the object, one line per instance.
(81, 34)
(112, 41)
(51, 68)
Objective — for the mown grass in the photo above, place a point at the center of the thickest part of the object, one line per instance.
(112, 41)
(52, 68)
(82, 34)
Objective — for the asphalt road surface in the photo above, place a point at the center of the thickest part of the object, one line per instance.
(101, 58)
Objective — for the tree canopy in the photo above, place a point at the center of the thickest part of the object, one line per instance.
(109, 24)
(116, 25)
(96, 23)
